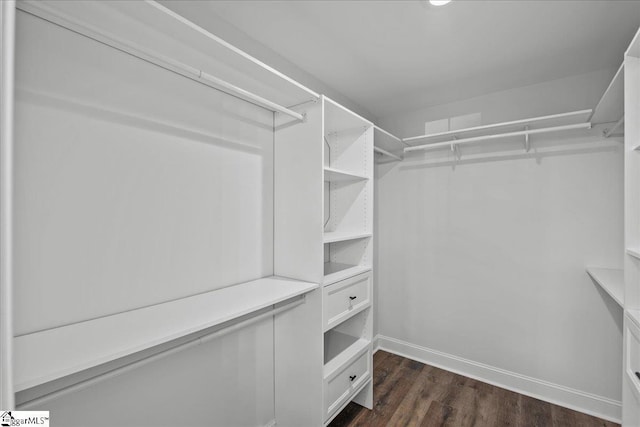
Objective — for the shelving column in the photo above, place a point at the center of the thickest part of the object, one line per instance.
(631, 353)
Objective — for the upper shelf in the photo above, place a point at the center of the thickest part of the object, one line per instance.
(611, 280)
(573, 117)
(147, 28)
(610, 108)
(73, 348)
(338, 118)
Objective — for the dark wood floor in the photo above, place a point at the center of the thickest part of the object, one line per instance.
(409, 393)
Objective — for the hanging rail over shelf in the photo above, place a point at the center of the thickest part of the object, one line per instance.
(456, 142)
(514, 123)
(158, 60)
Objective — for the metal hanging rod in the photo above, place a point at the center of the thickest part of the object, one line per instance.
(395, 138)
(499, 125)
(497, 136)
(161, 61)
(386, 153)
(613, 128)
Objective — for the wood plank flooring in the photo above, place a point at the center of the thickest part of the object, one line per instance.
(409, 393)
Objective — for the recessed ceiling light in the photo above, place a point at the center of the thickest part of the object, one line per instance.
(439, 2)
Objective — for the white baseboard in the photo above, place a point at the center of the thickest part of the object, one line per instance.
(567, 397)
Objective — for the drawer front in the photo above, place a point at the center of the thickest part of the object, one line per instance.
(346, 298)
(632, 364)
(341, 387)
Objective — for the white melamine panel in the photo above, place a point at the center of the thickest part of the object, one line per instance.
(73, 348)
(482, 258)
(299, 364)
(298, 203)
(227, 381)
(135, 186)
(348, 206)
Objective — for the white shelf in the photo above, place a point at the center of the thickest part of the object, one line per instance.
(340, 349)
(335, 271)
(341, 236)
(336, 175)
(610, 108)
(611, 280)
(55, 353)
(633, 252)
(573, 117)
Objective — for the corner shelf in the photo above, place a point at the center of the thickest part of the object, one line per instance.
(79, 346)
(336, 175)
(611, 280)
(341, 236)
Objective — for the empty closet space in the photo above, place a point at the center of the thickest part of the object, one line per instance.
(307, 214)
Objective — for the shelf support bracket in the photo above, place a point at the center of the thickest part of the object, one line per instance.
(527, 144)
(456, 149)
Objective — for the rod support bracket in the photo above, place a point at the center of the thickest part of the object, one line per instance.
(527, 143)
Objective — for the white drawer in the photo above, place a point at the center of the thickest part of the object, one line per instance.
(346, 298)
(342, 385)
(632, 349)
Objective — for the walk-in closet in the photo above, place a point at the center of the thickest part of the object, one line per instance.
(319, 213)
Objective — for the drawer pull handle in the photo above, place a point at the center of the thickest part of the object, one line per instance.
(352, 377)
(352, 298)
(638, 374)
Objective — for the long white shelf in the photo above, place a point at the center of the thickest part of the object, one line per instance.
(335, 271)
(336, 175)
(45, 356)
(553, 120)
(610, 108)
(341, 236)
(611, 280)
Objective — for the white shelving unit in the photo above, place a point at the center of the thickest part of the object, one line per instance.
(621, 103)
(324, 233)
(80, 346)
(611, 280)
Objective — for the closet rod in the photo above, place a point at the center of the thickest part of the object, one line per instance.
(158, 60)
(499, 125)
(157, 356)
(386, 153)
(389, 134)
(609, 132)
(497, 136)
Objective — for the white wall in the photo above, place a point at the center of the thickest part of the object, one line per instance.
(135, 186)
(484, 258)
(128, 195)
